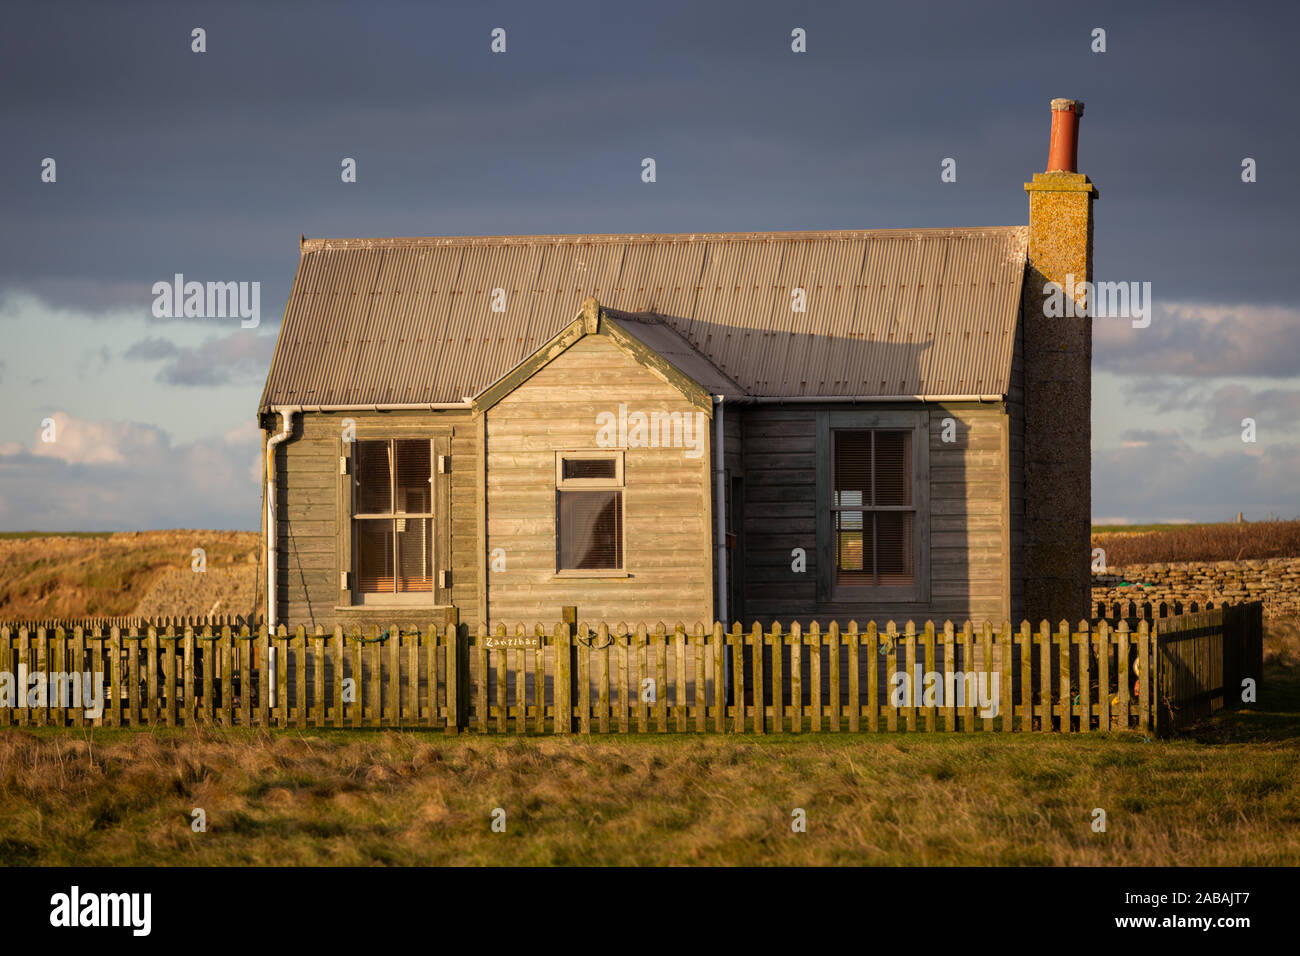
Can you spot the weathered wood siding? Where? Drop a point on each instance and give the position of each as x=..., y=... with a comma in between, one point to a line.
x=1016, y=477
x=308, y=481
x=733, y=439
x=667, y=533
x=968, y=492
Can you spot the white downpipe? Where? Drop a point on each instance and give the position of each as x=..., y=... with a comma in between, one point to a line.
x=720, y=479
x=273, y=537
x=720, y=516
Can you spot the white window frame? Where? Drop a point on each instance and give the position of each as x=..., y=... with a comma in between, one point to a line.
x=394, y=598
x=617, y=483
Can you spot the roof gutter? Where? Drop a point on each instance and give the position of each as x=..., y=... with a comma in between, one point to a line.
x=855, y=399
x=381, y=406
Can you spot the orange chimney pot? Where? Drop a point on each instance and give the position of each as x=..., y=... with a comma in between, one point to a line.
x=1063, y=156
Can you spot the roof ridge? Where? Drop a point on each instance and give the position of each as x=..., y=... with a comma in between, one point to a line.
x=397, y=242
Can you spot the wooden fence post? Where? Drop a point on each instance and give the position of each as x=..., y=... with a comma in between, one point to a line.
x=837, y=705
x=1045, y=677
x=855, y=696
x=1125, y=674
x=1103, y=677
x=376, y=677
x=719, y=650
x=1066, y=703
x=873, y=677
x=539, y=681
x=949, y=677
x=320, y=693
x=1006, y=642
x=738, y=691
x=1147, y=677
x=1085, y=677
x=78, y=666
x=563, y=680
x=778, y=678
x=931, y=667
x=503, y=679
x=679, y=678
x=569, y=617
x=188, y=665
x=357, y=707
x=461, y=634
x=815, y=675
x=115, y=676
x=264, y=675
x=299, y=673
x=452, y=640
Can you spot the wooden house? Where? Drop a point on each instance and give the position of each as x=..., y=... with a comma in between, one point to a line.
x=739, y=426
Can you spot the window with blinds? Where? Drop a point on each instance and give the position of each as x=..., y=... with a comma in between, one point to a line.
x=873, y=514
x=392, y=516
x=589, y=511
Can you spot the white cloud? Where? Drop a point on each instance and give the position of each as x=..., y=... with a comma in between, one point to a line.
x=1160, y=477
x=81, y=442
x=106, y=475
x=56, y=362
x=1204, y=340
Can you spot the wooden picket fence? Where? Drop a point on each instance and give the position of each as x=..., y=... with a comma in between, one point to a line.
x=598, y=679
x=126, y=621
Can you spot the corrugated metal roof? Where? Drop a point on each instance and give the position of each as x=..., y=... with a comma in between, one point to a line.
x=653, y=332
x=888, y=312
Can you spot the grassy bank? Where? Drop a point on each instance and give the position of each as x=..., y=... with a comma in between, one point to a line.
x=109, y=574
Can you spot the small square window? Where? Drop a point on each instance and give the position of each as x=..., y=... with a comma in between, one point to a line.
x=589, y=468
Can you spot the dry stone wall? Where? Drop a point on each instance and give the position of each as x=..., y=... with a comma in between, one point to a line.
x=1274, y=581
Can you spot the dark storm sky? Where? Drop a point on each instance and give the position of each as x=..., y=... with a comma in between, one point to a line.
x=212, y=164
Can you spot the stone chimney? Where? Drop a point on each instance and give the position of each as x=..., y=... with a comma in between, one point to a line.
x=1056, y=359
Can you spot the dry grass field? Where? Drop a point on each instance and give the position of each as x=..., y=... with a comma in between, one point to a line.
x=1228, y=793
x=137, y=572
x=1150, y=544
